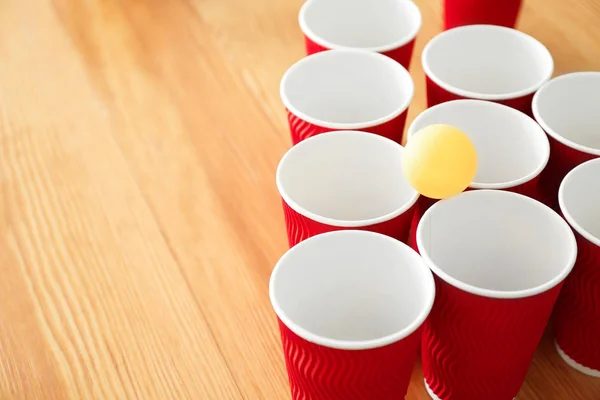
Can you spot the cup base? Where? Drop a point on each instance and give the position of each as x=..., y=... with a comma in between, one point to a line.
x=433, y=396
x=575, y=365
x=429, y=392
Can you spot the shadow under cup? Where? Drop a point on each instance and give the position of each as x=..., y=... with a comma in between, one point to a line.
x=345, y=180
x=499, y=260
x=350, y=306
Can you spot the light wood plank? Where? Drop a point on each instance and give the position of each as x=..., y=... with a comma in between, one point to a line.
x=114, y=318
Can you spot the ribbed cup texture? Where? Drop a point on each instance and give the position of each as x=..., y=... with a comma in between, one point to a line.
x=437, y=95
x=301, y=129
x=476, y=347
x=300, y=228
x=577, y=312
x=320, y=373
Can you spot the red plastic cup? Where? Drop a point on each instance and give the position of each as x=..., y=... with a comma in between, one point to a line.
x=512, y=149
x=474, y=12
x=347, y=90
x=345, y=180
x=577, y=312
x=567, y=108
x=499, y=260
x=388, y=27
x=350, y=306
x=486, y=62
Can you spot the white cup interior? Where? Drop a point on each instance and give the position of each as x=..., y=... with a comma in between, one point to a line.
x=345, y=178
x=511, y=147
x=496, y=244
x=487, y=62
x=579, y=199
x=375, y=25
x=568, y=108
x=347, y=89
x=352, y=290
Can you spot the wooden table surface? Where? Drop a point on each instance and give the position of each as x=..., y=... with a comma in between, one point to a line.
x=139, y=218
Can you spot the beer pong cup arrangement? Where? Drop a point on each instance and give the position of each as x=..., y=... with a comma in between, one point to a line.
x=346, y=90
x=350, y=306
x=499, y=260
x=577, y=317
x=489, y=265
x=568, y=108
x=473, y=12
x=345, y=180
x=384, y=26
x=486, y=62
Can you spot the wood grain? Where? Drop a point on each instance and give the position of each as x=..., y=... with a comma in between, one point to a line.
x=139, y=219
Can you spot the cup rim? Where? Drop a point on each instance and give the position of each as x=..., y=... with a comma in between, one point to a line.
x=484, y=96
x=332, y=221
x=551, y=132
x=354, y=125
x=498, y=294
x=500, y=185
x=353, y=344
x=565, y=210
x=304, y=26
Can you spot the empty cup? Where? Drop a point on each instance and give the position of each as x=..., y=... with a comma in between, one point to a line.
x=577, y=313
x=568, y=108
x=486, y=62
x=384, y=26
x=350, y=306
x=346, y=90
x=345, y=180
x=499, y=260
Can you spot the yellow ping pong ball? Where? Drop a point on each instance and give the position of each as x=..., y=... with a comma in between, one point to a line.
x=439, y=161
